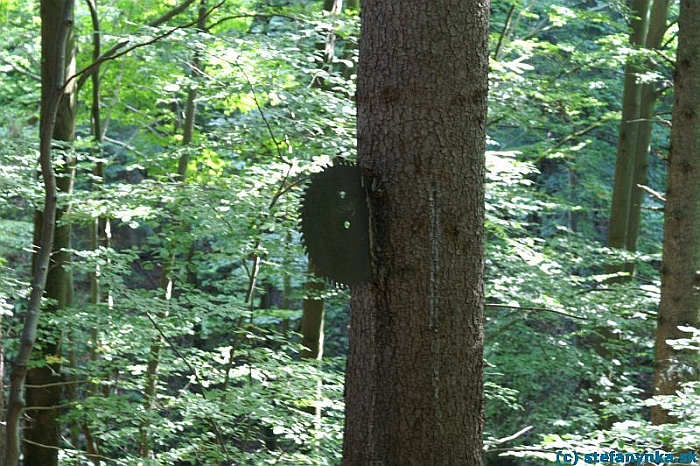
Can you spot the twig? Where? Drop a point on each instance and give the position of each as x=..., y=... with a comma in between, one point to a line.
x=259, y=16
x=92, y=67
x=148, y=126
x=177, y=351
x=75, y=450
x=525, y=448
x=577, y=134
x=512, y=437
x=278, y=146
x=23, y=71
x=117, y=87
x=56, y=384
x=509, y=18
x=161, y=20
x=50, y=408
x=652, y=193
x=536, y=309
x=670, y=61
x=212, y=422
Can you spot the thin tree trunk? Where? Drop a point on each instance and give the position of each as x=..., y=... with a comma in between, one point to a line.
x=57, y=29
x=348, y=46
x=648, y=95
x=414, y=377
x=312, y=319
x=624, y=166
x=313, y=307
x=167, y=283
x=327, y=46
x=43, y=428
x=680, y=266
x=152, y=366
x=3, y=430
x=632, y=153
x=99, y=228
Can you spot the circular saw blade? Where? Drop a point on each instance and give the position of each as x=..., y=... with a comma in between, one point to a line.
x=335, y=225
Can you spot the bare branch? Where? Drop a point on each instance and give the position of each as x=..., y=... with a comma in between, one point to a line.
x=509, y=18
x=56, y=384
x=652, y=193
x=511, y=437
x=536, y=309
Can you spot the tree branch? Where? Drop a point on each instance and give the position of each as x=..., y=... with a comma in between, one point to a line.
x=112, y=54
x=504, y=32
x=510, y=437
x=652, y=193
x=79, y=452
x=536, y=309
x=577, y=134
x=212, y=422
x=22, y=71
x=259, y=16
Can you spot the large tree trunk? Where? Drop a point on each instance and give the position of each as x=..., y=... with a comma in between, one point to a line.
x=680, y=267
x=414, y=377
x=42, y=401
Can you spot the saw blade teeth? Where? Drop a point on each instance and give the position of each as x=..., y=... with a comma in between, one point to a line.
x=334, y=222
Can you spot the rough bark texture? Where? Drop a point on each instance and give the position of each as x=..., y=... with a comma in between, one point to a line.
x=43, y=427
x=414, y=377
x=680, y=268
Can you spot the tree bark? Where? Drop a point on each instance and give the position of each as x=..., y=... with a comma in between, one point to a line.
x=624, y=165
x=680, y=267
x=312, y=318
x=57, y=103
x=647, y=98
x=43, y=427
x=414, y=377
x=3, y=430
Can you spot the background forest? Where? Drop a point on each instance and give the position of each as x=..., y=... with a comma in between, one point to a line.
x=185, y=327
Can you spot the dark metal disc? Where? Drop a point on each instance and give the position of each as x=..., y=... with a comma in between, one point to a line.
x=335, y=225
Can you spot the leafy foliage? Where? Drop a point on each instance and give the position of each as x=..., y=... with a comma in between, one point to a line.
x=231, y=386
